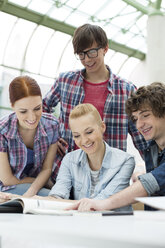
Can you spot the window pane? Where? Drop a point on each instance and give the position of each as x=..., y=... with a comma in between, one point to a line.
x=16, y=48
x=36, y=48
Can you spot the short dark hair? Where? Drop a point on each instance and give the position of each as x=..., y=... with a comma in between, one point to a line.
x=21, y=87
x=85, y=35
x=152, y=96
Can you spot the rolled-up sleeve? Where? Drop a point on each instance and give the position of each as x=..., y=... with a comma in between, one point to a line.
x=52, y=98
x=3, y=143
x=149, y=183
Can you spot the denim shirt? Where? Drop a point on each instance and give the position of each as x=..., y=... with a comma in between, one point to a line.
x=116, y=170
x=154, y=180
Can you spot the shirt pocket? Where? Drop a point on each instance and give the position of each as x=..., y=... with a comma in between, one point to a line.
x=77, y=189
x=77, y=186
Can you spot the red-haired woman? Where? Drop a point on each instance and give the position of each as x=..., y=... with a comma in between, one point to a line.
x=28, y=141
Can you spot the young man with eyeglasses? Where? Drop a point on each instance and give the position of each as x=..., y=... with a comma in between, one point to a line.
x=95, y=84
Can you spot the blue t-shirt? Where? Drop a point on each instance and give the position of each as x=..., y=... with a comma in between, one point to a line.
x=30, y=161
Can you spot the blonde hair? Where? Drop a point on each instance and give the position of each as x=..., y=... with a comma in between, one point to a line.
x=84, y=109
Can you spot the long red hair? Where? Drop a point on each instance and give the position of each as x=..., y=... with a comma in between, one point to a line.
x=23, y=86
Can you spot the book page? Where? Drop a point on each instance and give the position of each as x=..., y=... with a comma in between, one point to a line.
x=30, y=204
x=60, y=212
x=21, y=204
x=156, y=202
x=26, y=205
x=52, y=212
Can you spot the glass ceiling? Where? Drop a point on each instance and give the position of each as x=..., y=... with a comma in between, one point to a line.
x=36, y=35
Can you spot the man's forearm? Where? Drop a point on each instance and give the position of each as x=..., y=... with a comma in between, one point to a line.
x=126, y=196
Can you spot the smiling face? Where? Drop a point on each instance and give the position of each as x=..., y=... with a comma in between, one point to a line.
x=28, y=111
x=94, y=64
x=88, y=133
x=150, y=126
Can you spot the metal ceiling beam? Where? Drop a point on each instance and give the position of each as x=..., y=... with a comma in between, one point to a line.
x=158, y=4
x=126, y=50
x=149, y=10
x=40, y=19
x=137, y=6
x=35, y=17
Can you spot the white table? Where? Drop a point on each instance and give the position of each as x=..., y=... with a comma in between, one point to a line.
x=41, y=231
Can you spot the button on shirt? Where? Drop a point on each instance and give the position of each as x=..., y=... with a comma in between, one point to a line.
x=12, y=143
x=116, y=170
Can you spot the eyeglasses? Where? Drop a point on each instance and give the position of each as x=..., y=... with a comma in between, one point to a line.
x=91, y=53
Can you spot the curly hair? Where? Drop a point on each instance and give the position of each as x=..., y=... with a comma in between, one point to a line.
x=151, y=96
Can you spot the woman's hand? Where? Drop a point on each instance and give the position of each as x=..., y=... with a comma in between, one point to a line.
x=86, y=204
x=7, y=196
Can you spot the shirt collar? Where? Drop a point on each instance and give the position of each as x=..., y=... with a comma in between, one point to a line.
x=151, y=143
x=82, y=72
x=154, y=147
x=40, y=130
x=83, y=161
x=107, y=156
x=12, y=132
x=111, y=78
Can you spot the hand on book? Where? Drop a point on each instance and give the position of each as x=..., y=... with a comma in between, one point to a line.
x=87, y=204
x=7, y=196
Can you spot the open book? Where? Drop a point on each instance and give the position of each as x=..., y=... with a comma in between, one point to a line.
x=48, y=207
x=153, y=201
x=35, y=206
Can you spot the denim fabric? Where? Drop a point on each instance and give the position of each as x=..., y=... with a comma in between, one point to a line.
x=155, y=163
x=74, y=173
x=154, y=180
x=20, y=189
x=149, y=183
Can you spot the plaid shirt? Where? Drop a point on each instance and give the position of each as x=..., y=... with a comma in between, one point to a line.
x=69, y=91
x=11, y=142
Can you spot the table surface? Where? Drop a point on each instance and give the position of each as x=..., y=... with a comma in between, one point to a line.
x=139, y=231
